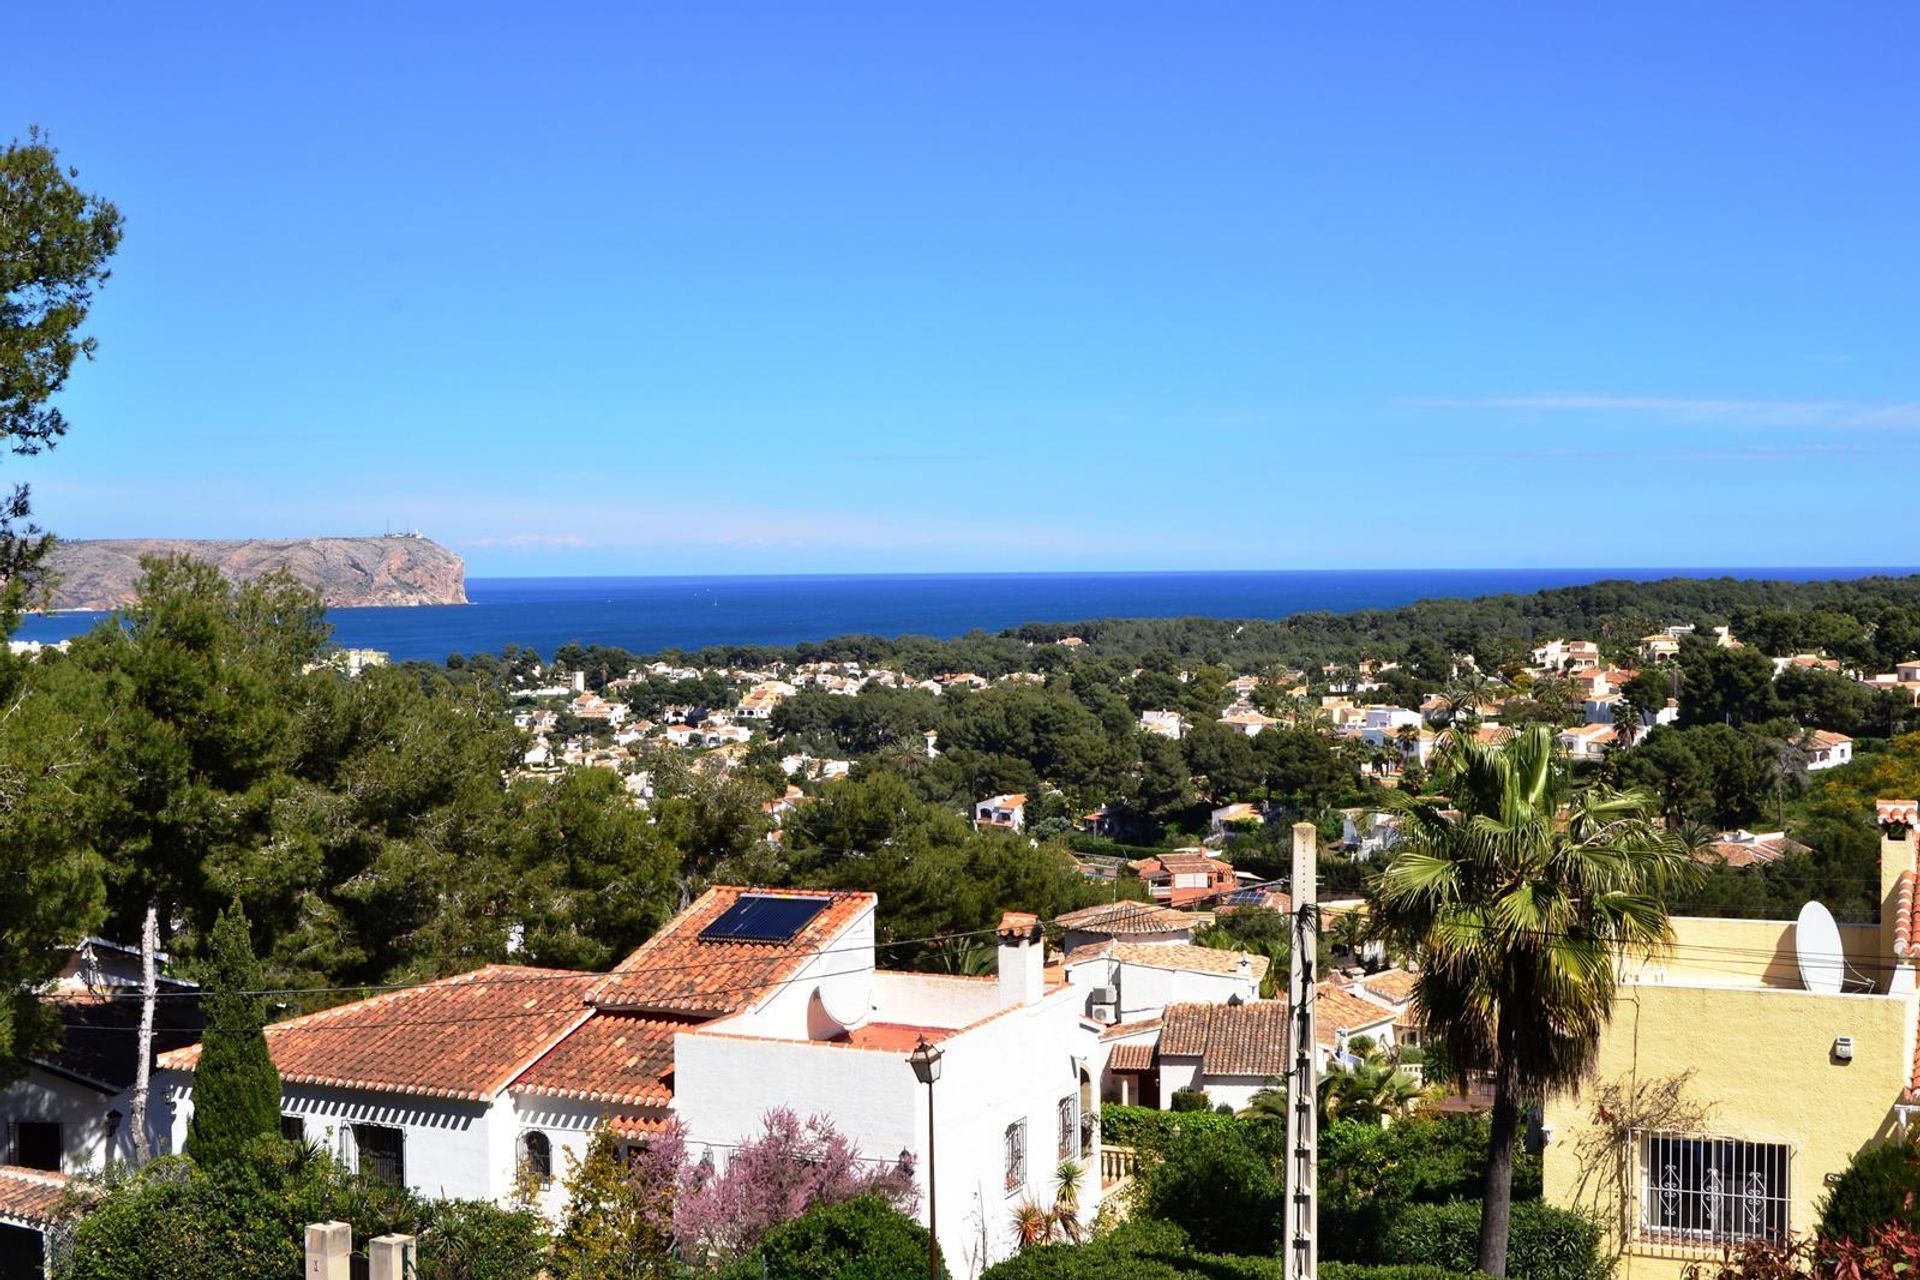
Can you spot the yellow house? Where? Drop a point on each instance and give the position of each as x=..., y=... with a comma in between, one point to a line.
x=1726, y=1093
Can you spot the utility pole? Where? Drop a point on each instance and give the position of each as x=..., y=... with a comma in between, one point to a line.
x=1303, y=1137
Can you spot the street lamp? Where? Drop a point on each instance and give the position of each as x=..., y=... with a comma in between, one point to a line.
x=925, y=1061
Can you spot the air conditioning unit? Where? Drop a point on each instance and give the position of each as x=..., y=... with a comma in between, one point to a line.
x=1106, y=1013
x=1104, y=995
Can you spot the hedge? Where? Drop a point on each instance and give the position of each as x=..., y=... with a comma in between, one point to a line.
x=1160, y=1251
x=1146, y=1128
x=1543, y=1242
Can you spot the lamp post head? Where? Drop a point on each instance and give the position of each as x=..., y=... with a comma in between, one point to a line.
x=925, y=1061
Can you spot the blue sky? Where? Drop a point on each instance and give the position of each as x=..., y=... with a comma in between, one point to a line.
x=830, y=287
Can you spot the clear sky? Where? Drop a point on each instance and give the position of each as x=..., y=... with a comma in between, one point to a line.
x=809, y=287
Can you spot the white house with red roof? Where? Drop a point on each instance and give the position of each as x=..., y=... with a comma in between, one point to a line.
x=750, y=999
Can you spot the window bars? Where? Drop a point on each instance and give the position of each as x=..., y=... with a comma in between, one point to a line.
x=1699, y=1190
x=1016, y=1155
x=1069, y=1146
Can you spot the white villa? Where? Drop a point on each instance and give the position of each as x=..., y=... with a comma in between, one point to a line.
x=1009, y=812
x=748, y=1000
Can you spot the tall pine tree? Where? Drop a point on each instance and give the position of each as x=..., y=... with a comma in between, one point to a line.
x=236, y=1091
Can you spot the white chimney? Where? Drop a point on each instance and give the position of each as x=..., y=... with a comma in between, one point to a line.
x=1022, y=959
x=1245, y=967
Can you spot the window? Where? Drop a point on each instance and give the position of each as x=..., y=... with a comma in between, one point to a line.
x=293, y=1128
x=1016, y=1155
x=1069, y=1127
x=382, y=1152
x=36, y=1145
x=1707, y=1190
x=536, y=1156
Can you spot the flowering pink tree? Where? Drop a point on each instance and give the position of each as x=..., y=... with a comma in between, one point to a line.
x=790, y=1167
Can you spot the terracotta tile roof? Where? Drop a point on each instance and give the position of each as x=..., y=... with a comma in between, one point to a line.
x=1121, y=1030
x=1121, y=918
x=1180, y=957
x=890, y=1037
x=1229, y=1039
x=637, y=1126
x=621, y=1059
x=1136, y=1056
x=1335, y=1011
x=1817, y=739
x=676, y=972
x=1391, y=984
x=1906, y=940
x=30, y=1196
x=462, y=1037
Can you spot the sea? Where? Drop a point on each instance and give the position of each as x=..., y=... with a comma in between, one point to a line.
x=649, y=614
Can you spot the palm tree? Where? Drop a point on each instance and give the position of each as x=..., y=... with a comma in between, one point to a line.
x=1351, y=931
x=1372, y=1091
x=1519, y=895
x=1269, y=1105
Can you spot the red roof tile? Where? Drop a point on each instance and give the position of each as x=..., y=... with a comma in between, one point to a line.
x=30, y=1196
x=676, y=972
x=622, y=1059
x=462, y=1037
x=1229, y=1039
x=1137, y=1056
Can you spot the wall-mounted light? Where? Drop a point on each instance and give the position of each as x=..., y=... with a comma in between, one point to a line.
x=1843, y=1049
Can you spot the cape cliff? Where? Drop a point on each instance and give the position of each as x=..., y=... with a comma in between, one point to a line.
x=348, y=573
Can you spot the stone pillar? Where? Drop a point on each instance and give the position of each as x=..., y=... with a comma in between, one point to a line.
x=392, y=1258
x=329, y=1251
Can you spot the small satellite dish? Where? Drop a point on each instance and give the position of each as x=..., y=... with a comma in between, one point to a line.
x=1823, y=966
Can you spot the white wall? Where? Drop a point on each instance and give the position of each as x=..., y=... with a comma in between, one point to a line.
x=1146, y=991
x=81, y=1112
x=453, y=1150
x=1014, y=1066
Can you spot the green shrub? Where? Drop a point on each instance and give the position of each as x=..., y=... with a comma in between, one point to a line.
x=1219, y=1186
x=1190, y=1100
x=478, y=1240
x=864, y=1238
x=1880, y=1185
x=242, y=1219
x=1387, y=1271
x=1137, y=1250
x=1543, y=1242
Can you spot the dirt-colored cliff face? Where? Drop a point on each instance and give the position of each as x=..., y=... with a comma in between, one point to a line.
x=347, y=572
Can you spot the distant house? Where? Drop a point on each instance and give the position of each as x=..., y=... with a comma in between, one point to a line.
x=1659, y=647
x=1125, y=922
x=1228, y=1052
x=1006, y=812
x=1567, y=655
x=1232, y=816
x=1167, y=724
x=1743, y=848
x=1368, y=832
x=1825, y=749
x=1244, y=719
x=1184, y=877
x=1128, y=981
x=1587, y=741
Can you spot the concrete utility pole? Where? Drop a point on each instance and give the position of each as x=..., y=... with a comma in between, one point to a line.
x=1303, y=1134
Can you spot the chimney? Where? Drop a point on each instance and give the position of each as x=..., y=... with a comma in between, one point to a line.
x=1244, y=967
x=1898, y=818
x=1022, y=958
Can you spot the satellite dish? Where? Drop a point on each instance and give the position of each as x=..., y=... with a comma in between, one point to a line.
x=1823, y=966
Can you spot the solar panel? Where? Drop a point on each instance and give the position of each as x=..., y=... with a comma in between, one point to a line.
x=761, y=917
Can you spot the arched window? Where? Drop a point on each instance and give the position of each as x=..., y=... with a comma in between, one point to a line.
x=536, y=1156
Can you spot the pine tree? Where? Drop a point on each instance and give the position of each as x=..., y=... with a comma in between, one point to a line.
x=236, y=1091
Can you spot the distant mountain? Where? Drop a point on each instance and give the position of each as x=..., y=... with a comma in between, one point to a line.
x=347, y=572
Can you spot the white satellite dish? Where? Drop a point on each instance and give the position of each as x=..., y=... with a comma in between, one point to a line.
x=1816, y=938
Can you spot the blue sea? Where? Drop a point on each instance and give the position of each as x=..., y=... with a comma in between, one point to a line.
x=645, y=615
